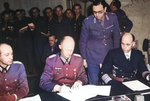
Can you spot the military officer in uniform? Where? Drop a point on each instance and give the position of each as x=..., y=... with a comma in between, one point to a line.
x=122, y=64
x=125, y=23
x=63, y=70
x=100, y=33
x=77, y=24
x=13, y=81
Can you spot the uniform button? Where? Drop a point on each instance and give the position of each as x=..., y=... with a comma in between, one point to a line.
x=15, y=80
x=5, y=79
x=131, y=76
x=122, y=76
x=57, y=73
x=103, y=30
x=104, y=36
x=75, y=24
x=105, y=44
x=75, y=73
x=6, y=86
x=65, y=78
x=66, y=68
x=120, y=70
x=66, y=74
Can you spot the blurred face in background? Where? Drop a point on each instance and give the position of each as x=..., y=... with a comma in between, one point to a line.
x=58, y=12
x=77, y=10
x=19, y=15
x=69, y=14
x=52, y=41
x=35, y=13
x=49, y=13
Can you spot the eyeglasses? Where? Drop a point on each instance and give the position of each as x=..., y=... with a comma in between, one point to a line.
x=99, y=12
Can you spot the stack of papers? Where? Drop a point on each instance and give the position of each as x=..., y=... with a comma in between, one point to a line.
x=136, y=85
x=86, y=92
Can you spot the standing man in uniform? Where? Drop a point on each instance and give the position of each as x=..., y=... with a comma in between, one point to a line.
x=13, y=81
x=100, y=33
x=125, y=23
x=77, y=24
x=64, y=69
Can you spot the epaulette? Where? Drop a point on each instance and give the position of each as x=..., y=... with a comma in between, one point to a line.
x=51, y=56
x=17, y=62
x=77, y=55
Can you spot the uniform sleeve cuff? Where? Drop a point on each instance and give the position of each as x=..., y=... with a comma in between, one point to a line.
x=15, y=97
x=106, y=78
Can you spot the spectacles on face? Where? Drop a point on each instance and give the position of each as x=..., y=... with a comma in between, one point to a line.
x=99, y=12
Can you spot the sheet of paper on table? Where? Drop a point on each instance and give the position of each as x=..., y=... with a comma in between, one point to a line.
x=33, y=98
x=86, y=92
x=136, y=85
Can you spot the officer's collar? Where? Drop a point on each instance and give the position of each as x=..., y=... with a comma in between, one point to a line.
x=6, y=68
x=64, y=59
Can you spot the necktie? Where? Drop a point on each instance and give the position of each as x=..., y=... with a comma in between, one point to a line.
x=127, y=56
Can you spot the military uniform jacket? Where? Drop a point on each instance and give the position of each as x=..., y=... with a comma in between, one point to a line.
x=98, y=37
x=125, y=23
x=117, y=64
x=14, y=81
x=56, y=72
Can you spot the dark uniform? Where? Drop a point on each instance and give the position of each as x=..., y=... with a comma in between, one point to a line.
x=116, y=66
x=59, y=71
x=24, y=45
x=77, y=24
x=125, y=23
x=97, y=38
x=62, y=28
x=49, y=50
x=39, y=40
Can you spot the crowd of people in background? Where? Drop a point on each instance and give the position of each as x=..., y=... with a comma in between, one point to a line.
x=52, y=41
x=33, y=44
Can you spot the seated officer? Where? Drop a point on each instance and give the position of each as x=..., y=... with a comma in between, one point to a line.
x=51, y=48
x=63, y=70
x=122, y=64
x=13, y=81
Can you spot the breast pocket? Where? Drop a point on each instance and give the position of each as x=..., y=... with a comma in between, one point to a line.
x=109, y=29
x=58, y=71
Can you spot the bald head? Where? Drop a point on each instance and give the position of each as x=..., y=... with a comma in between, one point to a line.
x=127, y=42
x=67, y=46
x=6, y=55
x=4, y=47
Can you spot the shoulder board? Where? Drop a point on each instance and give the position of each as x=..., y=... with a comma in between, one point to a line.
x=51, y=56
x=17, y=62
x=77, y=55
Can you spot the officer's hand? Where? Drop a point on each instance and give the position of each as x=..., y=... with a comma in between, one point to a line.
x=65, y=89
x=148, y=77
x=84, y=63
x=8, y=97
x=77, y=84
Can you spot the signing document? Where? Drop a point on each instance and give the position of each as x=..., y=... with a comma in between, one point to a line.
x=136, y=85
x=86, y=92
